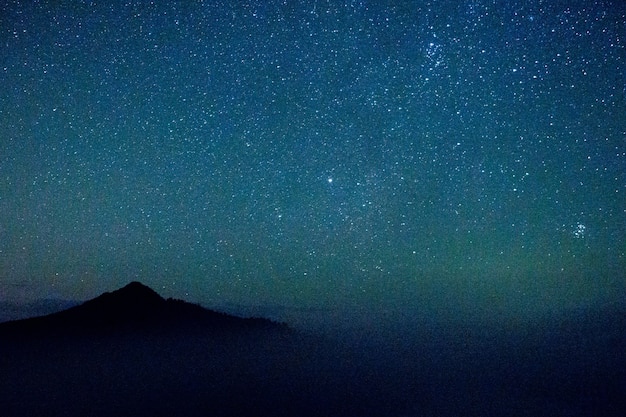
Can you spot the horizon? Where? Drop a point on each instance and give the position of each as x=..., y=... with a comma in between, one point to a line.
x=352, y=322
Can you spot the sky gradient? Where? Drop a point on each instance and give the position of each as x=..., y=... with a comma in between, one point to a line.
x=459, y=156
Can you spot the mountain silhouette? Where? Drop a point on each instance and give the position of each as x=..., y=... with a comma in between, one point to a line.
x=130, y=352
x=134, y=307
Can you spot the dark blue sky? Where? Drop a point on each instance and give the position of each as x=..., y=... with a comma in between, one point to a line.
x=450, y=155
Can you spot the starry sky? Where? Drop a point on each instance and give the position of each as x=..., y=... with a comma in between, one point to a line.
x=464, y=156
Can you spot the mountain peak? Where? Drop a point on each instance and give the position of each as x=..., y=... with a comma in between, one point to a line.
x=137, y=286
x=134, y=292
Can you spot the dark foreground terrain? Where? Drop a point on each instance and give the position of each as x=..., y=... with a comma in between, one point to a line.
x=130, y=352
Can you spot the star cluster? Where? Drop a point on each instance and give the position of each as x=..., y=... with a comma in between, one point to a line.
x=315, y=153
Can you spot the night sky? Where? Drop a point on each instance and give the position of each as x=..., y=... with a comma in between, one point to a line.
x=425, y=156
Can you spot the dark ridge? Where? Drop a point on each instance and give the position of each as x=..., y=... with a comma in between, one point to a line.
x=134, y=307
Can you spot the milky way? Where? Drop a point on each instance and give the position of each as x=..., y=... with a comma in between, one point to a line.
x=467, y=155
